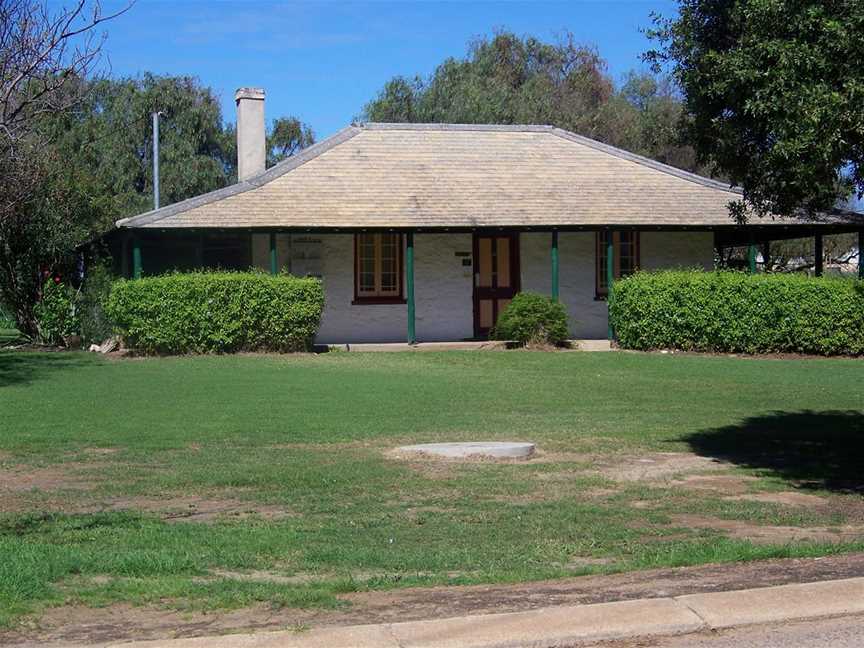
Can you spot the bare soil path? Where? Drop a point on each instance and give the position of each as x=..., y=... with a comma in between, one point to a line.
x=118, y=622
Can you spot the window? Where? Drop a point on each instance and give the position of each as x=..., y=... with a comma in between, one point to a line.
x=378, y=268
x=625, y=259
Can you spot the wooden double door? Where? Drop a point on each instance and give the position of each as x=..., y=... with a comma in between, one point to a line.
x=496, y=277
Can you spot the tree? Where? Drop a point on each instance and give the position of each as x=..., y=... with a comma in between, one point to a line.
x=43, y=56
x=775, y=94
x=287, y=136
x=111, y=136
x=98, y=168
x=513, y=80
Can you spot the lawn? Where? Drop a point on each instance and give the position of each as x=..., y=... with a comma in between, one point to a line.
x=220, y=482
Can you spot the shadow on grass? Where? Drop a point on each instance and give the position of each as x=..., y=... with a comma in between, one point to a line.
x=813, y=449
x=22, y=367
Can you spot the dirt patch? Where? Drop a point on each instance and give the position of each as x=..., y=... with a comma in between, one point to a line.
x=659, y=466
x=727, y=484
x=786, y=498
x=763, y=534
x=71, y=475
x=98, y=452
x=119, y=622
x=199, y=508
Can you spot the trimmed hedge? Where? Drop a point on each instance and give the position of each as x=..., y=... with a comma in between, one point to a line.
x=738, y=312
x=203, y=312
x=532, y=319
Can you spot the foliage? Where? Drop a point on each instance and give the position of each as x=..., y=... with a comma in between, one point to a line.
x=513, y=80
x=57, y=216
x=776, y=93
x=203, y=312
x=532, y=319
x=44, y=54
x=56, y=313
x=95, y=325
x=97, y=167
x=287, y=136
x=738, y=312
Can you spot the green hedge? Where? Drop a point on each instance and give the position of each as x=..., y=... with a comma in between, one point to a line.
x=203, y=312
x=738, y=312
x=532, y=319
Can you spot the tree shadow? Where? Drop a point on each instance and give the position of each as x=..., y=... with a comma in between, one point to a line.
x=23, y=367
x=817, y=450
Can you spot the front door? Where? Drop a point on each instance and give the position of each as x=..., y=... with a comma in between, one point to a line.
x=496, y=277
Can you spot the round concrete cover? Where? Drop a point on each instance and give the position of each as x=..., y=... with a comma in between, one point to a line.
x=504, y=450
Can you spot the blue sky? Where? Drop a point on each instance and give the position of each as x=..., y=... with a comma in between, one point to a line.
x=322, y=60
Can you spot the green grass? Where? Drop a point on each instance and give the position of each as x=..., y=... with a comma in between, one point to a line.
x=300, y=441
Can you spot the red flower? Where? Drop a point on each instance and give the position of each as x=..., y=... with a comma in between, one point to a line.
x=56, y=279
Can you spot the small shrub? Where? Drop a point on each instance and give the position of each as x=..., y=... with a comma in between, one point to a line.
x=95, y=325
x=203, y=312
x=56, y=312
x=532, y=319
x=737, y=312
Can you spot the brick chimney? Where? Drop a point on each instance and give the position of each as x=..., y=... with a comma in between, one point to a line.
x=251, y=146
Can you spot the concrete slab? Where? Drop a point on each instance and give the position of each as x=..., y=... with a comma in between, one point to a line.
x=551, y=626
x=497, y=449
x=767, y=604
x=591, y=345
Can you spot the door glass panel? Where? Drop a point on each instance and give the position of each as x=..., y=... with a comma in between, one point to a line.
x=502, y=304
x=485, y=262
x=486, y=318
x=503, y=247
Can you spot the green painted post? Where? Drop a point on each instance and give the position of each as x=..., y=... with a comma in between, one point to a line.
x=861, y=255
x=819, y=254
x=555, y=265
x=137, y=268
x=274, y=263
x=409, y=285
x=610, y=278
x=751, y=258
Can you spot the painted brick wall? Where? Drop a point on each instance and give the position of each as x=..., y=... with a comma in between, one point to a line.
x=443, y=286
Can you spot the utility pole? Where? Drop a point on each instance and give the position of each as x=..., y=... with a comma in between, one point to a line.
x=156, y=160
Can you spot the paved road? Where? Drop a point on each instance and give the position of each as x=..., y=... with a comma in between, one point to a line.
x=846, y=632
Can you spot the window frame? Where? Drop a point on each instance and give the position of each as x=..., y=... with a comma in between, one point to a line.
x=602, y=293
x=400, y=272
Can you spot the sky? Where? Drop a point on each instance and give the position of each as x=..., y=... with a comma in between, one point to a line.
x=323, y=60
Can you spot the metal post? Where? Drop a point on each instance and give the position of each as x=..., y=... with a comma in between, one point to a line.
x=861, y=254
x=274, y=262
x=555, y=265
x=137, y=268
x=610, y=277
x=819, y=254
x=409, y=285
x=156, y=160
x=751, y=258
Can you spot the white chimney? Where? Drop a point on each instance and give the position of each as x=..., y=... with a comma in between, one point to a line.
x=251, y=146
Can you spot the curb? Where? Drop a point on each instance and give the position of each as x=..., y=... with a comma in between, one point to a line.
x=557, y=626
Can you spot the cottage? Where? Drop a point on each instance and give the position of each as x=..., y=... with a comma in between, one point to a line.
x=426, y=231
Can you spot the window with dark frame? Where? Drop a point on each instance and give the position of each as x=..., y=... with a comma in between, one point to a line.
x=625, y=258
x=378, y=268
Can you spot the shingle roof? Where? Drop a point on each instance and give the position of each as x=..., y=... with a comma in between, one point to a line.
x=454, y=175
